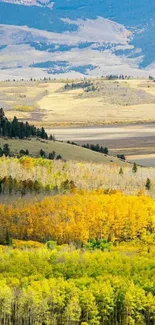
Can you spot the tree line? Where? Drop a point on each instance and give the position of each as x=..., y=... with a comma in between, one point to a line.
x=96, y=148
x=120, y=77
x=78, y=85
x=93, y=147
x=21, y=130
x=12, y=186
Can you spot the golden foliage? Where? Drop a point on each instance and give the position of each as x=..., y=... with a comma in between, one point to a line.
x=80, y=217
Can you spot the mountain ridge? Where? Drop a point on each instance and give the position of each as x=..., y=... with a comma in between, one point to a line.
x=69, y=39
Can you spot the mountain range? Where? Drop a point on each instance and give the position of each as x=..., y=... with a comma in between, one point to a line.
x=68, y=38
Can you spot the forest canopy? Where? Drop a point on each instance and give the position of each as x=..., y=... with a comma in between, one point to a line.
x=64, y=286
x=79, y=217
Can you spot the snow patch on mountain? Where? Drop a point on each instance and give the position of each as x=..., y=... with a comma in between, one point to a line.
x=41, y=3
x=76, y=38
x=19, y=40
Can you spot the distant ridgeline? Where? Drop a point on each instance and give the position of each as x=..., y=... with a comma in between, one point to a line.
x=18, y=129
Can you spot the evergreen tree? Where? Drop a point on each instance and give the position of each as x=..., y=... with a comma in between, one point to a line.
x=15, y=127
x=10, y=185
x=22, y=152
x=134, y=168
x=8, y=240
x=1, y=152
x=43, y=134
x=1, y=182
x=1, y=114
x=51, y=137
x=59, y=157
x=6, y=150
x=121, y=156
x=52, y=155
x=93, y=147
x=121, y=171
x=28, y=130
x=106, y=151
x=42, y=153
x=148, y=184
x=18, y=129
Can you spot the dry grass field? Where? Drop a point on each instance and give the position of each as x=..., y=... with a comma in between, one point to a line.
x=48, y=103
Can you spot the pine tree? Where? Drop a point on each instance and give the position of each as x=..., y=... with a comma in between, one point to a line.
x=42, y=153
x=18, y=129
x=6, y=150
x=22, y=152
x=106, y=151
x=52, y=155
x=121, y=171
x=43, y=134
x=134, y=168
x=59, y=157
x=148, y=185
x=1, y=152
x=8, y=240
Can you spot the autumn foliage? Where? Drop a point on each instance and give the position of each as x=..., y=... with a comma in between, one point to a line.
x=64, y=286
x=52, y=175
x=85, y=256
x=79, y=218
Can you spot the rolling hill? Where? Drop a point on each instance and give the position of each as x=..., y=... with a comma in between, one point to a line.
x=67, y=151
x=49, y=103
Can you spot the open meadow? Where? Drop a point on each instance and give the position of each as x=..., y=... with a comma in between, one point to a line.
x=73, y=102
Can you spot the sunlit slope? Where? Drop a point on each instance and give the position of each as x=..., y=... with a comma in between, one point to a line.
x=49, y=104
x=67, y=151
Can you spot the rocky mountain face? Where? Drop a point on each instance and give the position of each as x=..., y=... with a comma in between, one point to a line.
x=42, y=38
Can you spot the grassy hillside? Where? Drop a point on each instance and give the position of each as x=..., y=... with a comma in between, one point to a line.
x=49, y=103
x=67, y=151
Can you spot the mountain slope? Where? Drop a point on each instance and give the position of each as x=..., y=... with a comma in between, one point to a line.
x=76, y=38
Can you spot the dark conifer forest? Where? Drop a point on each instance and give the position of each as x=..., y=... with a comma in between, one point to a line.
x=21, y=130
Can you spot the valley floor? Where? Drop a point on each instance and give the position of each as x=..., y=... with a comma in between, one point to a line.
x=118, y=114
x=136, y=141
